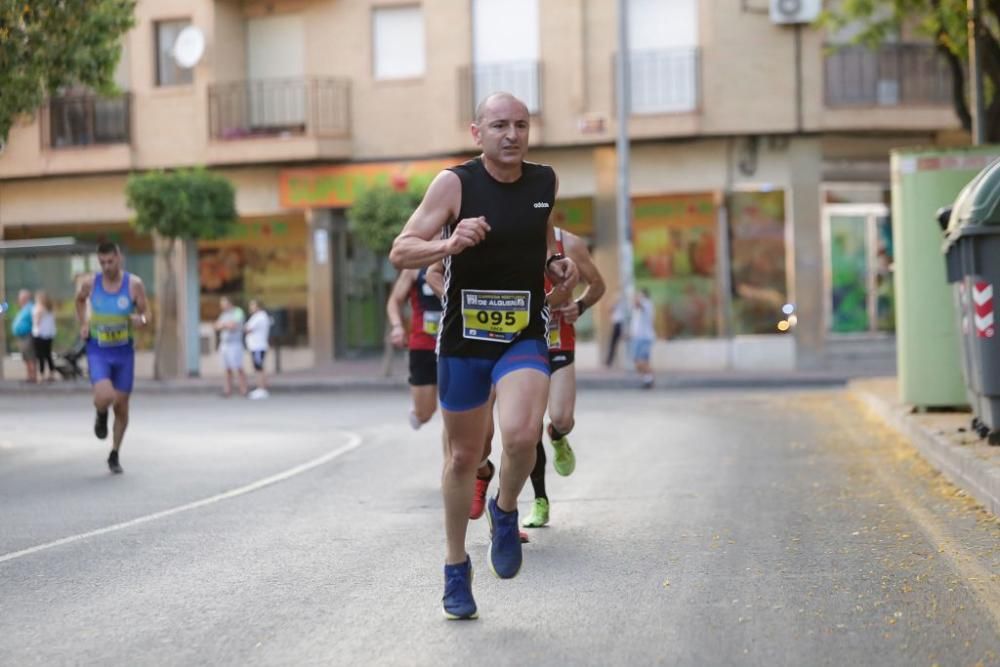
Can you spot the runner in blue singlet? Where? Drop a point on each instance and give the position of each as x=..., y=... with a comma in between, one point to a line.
x=117, y=303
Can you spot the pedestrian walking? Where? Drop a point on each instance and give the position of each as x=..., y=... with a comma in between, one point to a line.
x=642, y=336
x=21, y=330
x=43, y=333
x=258, y=332
x=109, y=306
x=230, y=327
x=619, y=312
x=488, y=219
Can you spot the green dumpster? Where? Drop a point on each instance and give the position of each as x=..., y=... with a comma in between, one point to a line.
x=927, y=338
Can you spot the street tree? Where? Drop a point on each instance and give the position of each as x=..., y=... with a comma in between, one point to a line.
x=47, y=45
x=187, y=204
x=375, y=219
x=946, y=23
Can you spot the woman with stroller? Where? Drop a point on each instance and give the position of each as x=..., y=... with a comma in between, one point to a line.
x=43, y=332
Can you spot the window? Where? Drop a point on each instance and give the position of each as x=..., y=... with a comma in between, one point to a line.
x=168, y=72
x=398, y=42
x=663, y=39
x=757, y=252
x=505, y=50
x=662, y=24
x=276, y=68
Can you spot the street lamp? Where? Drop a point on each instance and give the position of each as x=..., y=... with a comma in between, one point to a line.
x=623, y=201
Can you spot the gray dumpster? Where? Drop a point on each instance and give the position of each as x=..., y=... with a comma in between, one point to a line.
x=972, y=252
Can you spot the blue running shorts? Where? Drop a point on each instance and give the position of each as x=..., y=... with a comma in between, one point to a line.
x=111, y=363
x=464, y=383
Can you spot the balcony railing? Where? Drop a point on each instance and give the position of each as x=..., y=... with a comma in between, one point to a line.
x=86, y=120
x=279, y=107
x=664, y=80
x=521, y=79
x=891, y=75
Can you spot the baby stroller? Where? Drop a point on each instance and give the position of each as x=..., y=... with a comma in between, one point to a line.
x=68, y=363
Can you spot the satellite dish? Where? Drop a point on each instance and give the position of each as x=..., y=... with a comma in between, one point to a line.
x=189, y=47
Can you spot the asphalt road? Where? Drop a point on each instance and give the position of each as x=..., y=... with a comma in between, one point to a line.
x=700, y=528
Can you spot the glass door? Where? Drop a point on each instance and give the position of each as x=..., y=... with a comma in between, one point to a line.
x=858, y=242
x=359, y=296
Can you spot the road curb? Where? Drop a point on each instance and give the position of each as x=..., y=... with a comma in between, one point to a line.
x=665, y=382
x=958, y=464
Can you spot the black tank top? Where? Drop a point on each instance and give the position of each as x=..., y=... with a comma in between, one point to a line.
x=495, y=291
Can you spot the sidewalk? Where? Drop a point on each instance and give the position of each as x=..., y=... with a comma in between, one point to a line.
x=366, y=375
x=943, y=438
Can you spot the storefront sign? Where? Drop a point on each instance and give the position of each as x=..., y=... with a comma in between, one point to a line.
x=913, y=163
x=338, y=186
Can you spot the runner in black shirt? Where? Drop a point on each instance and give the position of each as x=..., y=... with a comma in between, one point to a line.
x=488, y=219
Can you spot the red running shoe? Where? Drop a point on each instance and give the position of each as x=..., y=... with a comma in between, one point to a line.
x=479, y=497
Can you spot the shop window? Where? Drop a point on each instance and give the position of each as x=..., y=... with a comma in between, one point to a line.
x=168, y=72
x=757, y=247
x=674, y=241
x=859, y=255
x=59, y=275
x=265, y=260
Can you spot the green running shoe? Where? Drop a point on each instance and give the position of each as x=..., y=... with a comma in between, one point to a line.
x=539, y=514
x=565, y=460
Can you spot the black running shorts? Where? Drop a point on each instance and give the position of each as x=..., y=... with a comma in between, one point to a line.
x=423, y=368
x=561, y=359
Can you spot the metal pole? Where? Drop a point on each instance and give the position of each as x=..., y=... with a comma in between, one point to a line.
x=623, y=202
x=976, y=75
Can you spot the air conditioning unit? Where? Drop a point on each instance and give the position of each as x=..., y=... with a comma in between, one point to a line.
x=795, y=11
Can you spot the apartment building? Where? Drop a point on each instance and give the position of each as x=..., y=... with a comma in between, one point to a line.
x=759, y=154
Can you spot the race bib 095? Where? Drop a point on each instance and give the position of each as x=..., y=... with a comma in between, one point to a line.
x=497, y=316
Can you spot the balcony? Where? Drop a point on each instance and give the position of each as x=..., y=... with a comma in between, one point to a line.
x=318, y=108
x=279, y=120
x=664, y=81
x=892, y=75
x=70, y=121
x=521, y=79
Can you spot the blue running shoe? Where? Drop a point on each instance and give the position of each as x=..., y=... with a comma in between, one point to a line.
x=505, y=541
x=457, y=601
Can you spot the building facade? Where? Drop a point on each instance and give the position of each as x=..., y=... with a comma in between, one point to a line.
x=759, y=162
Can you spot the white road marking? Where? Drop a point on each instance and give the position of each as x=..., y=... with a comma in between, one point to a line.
x=354, y=441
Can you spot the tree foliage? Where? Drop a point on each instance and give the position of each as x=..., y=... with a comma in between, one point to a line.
x=187, y=204
x=945, y=22
x=379, y=213
x=183, y=204
x=46, y=45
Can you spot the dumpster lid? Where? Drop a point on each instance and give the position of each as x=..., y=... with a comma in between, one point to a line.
x=977, y=207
